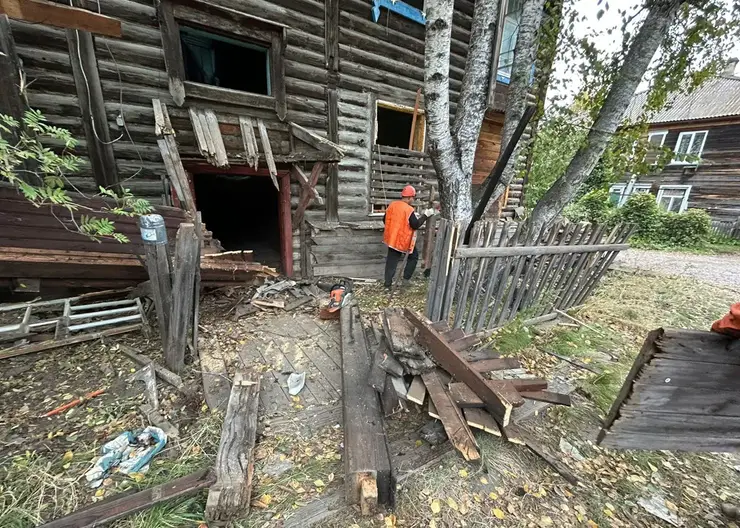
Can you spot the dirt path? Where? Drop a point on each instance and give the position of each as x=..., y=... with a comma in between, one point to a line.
x=719, y=270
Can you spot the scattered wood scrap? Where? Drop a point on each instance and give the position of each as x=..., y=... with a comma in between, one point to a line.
x=120, y=506
x=369, y=478
x=229, y=497
x=401, y=338
x=681, y=394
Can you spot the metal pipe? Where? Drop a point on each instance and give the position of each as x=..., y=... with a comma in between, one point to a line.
x=115, y=311
x=124, y=302
x=95, y=324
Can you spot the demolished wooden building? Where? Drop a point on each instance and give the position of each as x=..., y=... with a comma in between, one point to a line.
x=296, y=121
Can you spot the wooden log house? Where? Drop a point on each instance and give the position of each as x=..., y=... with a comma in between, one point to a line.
x=296, y=121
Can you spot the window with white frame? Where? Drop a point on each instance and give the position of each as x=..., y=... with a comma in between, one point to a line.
x=508, y=40
x=657, y=138
x=689, y=145
x=619, y=193
x=674, y=198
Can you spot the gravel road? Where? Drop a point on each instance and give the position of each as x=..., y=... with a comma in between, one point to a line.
x=719, y=270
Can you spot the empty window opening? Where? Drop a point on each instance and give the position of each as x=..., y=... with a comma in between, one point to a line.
x=221, y=61
x=394, y=127
x=242, y=213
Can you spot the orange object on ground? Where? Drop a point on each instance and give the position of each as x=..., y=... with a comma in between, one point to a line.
x=398, y=233
x=73, y=403
x=336, y=297
x=730, y=323
x=408, y=192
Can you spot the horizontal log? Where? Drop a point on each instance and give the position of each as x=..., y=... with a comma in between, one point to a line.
x=536, y=250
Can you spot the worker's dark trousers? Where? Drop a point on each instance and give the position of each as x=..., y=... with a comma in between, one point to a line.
x=391, y=263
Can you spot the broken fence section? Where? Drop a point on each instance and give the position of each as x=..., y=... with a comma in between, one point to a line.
x=502, y=273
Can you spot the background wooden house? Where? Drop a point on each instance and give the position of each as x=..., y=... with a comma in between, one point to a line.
x=702, y=128
x=265, y=99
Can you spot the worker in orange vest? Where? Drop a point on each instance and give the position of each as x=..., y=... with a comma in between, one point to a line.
x=400, y=223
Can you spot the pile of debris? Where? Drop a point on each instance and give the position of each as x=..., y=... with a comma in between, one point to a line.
x=410, y=358
x=285, y=295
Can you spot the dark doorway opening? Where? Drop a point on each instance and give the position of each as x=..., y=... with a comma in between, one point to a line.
x=394, y=127
x=242, y=213
x=221, y=61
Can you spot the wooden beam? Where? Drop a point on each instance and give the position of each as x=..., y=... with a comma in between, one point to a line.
x=332, y=173
x=229, y=498
x=413, y=119
x=369, y=477
x=183, y=286
x=171, y=156
x=496, y=404
x=60, y=15
x=464, y=397
x=250, y=141
x=487, y=365
x=316, y=141
x=307, y=195
x=518, y=251
x=546, y=396
x=122, y=505
x=451, y=417
x=267, y=149
x=92, y=106
x=277, y=71
x=331, y=34
x=172, y=49
x=11, y=73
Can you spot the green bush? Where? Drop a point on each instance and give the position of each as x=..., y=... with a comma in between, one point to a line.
x=691, y=228
x=641, y=211
x=594, y=207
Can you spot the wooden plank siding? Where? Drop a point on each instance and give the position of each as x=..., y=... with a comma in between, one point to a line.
x=715, y=184
x=381, y=60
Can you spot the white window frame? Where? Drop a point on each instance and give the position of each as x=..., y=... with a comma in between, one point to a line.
x=692, y=133
x=662, y=133
x=622, y=187
x=684, y=200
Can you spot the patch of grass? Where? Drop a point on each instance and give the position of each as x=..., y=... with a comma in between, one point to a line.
x=512, y=338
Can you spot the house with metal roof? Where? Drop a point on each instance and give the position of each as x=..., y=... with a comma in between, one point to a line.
x=702, y=129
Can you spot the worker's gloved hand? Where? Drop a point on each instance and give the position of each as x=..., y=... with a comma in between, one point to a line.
x=428, y=212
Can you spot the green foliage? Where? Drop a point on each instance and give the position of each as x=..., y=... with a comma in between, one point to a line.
x=594, y=207
x=40, y=173
x=660, y=229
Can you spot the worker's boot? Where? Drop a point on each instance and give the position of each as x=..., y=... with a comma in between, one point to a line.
x=731, y=511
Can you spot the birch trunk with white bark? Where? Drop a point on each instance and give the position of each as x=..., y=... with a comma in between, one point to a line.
x=652, y=32
x=452, y=149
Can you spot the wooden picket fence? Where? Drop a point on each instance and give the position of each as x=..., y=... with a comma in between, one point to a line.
x=502, y=273
x=727, y=228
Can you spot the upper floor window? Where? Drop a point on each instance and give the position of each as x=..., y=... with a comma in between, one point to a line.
x=657, y=138
x=512, y=18
x=689, y=145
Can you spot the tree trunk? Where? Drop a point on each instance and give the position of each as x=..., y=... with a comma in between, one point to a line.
x=641, y=51
x=525, y=52
x=453, y=151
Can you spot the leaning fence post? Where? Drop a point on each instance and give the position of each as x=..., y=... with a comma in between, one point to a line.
x=154, y=235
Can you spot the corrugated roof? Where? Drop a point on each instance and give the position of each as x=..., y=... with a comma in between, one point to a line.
x=718, y=97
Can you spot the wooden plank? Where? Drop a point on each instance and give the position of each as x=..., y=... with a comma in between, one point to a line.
x=11, y=70
x=196, y=286
x=487, y=365
x=488, y=232
x=439, y=271
x=307, y=195
x=413, y=119
x=277, y=71
x=316, y=141
x=172, y=50
x=60, y=15
x=303, y=180
x=452, y=275
x=267, y=149
x=400, y=334
x=461, y=304
x=450, y=360
x=464, y=397
x=165, y=375
x=490, y=281
x=546, y=396
x=451, y=335
x=90, y=97
x=454, y=424
x=402, y=391
x=497, y=307
x=332, y=173
x=531, y=251
x=480, y=419
x=249, y=141
x=541, y=266
x=173, y=163
x=183, y=287
x=158, y=269
x=466, y=342
x=229, y=497
x=122, y=505
x=417, y=392
x=366, y=456
x=218, y=143
x=377, y=376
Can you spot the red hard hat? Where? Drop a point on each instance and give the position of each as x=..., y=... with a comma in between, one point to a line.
x=408, y=191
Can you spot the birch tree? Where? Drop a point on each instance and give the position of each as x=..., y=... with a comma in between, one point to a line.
x=700, y=35
x=452, y=148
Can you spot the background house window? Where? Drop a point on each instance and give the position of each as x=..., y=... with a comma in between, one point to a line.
x=689, y=144
x=215, y=60
x=508, y=40
x=674, y=198
x=657, y=138
x=619, y=193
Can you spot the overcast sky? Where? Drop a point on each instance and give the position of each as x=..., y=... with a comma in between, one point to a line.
x=597, y=31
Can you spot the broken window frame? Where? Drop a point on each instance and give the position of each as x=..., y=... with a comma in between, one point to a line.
x=231, y=24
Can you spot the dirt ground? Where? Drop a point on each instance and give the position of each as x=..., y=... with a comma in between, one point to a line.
x=43, y=460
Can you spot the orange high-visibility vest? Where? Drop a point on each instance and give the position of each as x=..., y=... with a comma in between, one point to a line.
x=398, y=233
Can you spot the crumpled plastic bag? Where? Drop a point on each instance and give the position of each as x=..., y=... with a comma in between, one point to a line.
x=128, y=453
